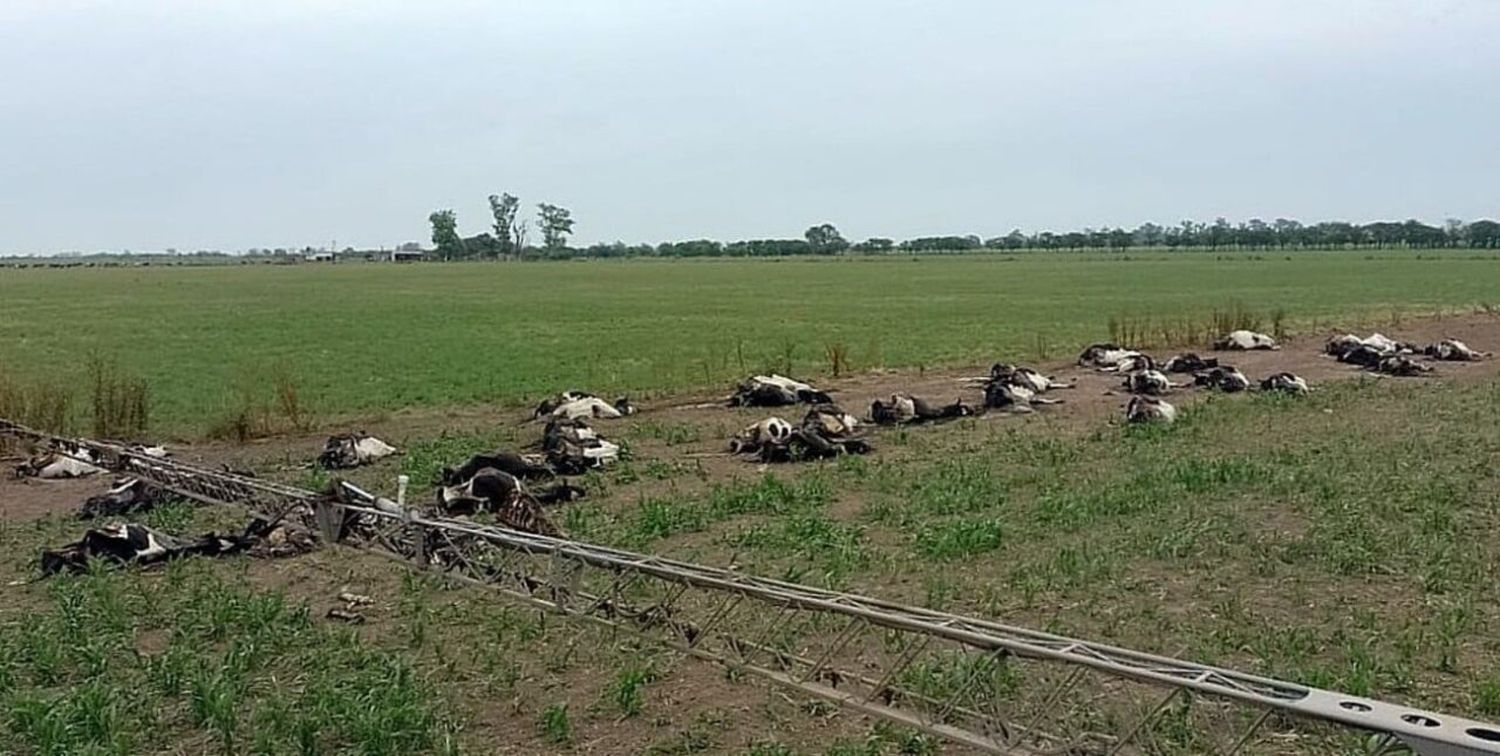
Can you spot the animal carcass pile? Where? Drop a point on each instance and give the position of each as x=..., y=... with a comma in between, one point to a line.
x=825, y=431
x=515, y=488
x=905, y=409
x=776, y=391
x=136, y=544
x=350, y=450
x=573, y=405
x=1018, y=389
x=1148, y=383
x=1381, y=354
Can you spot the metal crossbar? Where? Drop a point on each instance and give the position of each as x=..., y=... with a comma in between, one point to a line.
x=989, y=686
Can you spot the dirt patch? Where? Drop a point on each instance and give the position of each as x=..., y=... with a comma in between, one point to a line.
x=29, y=498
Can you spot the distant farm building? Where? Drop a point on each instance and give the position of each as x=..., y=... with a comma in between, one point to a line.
x=408, y=255
x=321, y=257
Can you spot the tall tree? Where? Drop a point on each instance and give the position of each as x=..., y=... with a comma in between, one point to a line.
x=555, y=223
x=509, y=232
x=1453, y=228
x=825, y=239
x=445, y=234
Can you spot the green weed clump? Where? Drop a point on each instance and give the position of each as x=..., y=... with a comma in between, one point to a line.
x=40, y=404
x=555, y=725
x=121, y=402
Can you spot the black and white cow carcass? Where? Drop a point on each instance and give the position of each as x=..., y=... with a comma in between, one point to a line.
x=576, y=404
x=1389, y=345
x=826, y=431
x=1009, y=396
x=1362, y=355
x=1244, y=341
x=1285, y=383
x=1401, y=366
x=1151, y=382
x=1339, y=344
x=127, y=496
x=772, y=431
x=350, y=450
x=1109, y=358
x=776, y=391
x=57, y=464
x=1226, y=378
x=524, y=466
x=1189, y=362
x=1149, y=409
x=573, y=447
x=1098, y=355
x=1025, y=377
x=1453, y=350
x=508, y=498
x=1019, y=388
x=1366, y=352
x=905, y=409
x=136, y=544
x=121, y=543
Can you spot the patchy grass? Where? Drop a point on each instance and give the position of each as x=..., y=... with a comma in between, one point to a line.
x=121, y=663
x=1309, y=539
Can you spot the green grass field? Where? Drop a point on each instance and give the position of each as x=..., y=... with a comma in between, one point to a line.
x=359, y=339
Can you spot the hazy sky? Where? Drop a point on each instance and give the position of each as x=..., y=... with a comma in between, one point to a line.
x=146, y=124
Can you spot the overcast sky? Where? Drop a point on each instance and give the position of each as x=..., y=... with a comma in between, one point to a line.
x=147, y=124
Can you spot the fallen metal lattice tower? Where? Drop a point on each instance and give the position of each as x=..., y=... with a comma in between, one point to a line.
x=982, y=684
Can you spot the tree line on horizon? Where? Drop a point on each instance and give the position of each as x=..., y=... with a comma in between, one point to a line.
x=507, y=238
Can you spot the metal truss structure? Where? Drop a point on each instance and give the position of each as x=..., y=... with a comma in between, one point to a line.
x=990, y=687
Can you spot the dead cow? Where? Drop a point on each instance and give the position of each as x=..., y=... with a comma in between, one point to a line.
x=136, y=544
x=1401, y=366
x=350, y=450
x=1286, y=383
x=1009, y=396
x=1363, y=355
x=772, y=431
x=128, y=496
x=826, y=431
x=573, y=447
x=1099, y=355
x=53, y=465
x=505, y=496
x=1243, y=341
x=908, y=409
x=576, y=404
x=1025, y=376
x=1340, y=344
x=1226, y=378
x=1453, y=350
x=131, y=543
x=1153, y=382
x=1149, y=409
x=776, y=391
x=1188, y=362
x=1389, y=345
x=1109, y=358
x=523, y=466
x=1367, y=351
